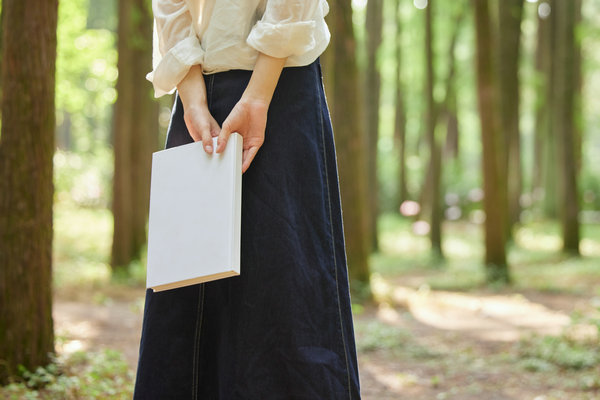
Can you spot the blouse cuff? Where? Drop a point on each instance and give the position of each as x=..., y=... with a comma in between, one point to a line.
x=175, y=64
x=283, y=40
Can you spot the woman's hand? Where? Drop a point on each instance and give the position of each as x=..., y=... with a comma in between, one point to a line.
x=249, y=116
x=249, y=119
x=200, y=123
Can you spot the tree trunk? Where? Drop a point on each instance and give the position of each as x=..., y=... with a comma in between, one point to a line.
x=26, y=188
x=63, y=132
x=374, y=21
x=452, y=133
x=542, y=61
x=550, y=143
x=135, y=132
x=1, y=36
x=494, y=182
x=122, y=247
x=350, y=139
x=435, y=233
x=578, y=79
x=510, y=13
x=400, y=112
x=564, y=122
x=450, y=111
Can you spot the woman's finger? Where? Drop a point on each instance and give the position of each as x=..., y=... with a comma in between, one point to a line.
x=201, y=129
x=226, y=130
x=223, y=138
x=215, y=129
x=191, y=127
x=248, y=156
x=207, y=140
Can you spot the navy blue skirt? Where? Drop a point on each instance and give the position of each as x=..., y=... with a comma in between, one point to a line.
x=283, y=329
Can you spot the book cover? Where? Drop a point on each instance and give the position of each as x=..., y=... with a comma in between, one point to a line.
x=195, y=215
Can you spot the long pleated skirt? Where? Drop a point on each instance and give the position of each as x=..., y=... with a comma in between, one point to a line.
x=283, y=329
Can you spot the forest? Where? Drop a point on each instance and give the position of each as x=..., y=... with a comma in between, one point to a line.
x=467, y=135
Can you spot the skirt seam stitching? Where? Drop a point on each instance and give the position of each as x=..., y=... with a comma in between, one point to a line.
x=199, y=314
x=333, y=249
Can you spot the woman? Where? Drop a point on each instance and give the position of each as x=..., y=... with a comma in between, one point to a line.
x=283, y=329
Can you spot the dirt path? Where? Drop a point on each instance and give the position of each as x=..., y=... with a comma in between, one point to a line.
x=417, y=344
x=465, y=345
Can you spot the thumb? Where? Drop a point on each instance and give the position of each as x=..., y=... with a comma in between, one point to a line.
x=226, y=131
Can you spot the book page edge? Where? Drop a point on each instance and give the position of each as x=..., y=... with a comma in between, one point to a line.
x=193, y=281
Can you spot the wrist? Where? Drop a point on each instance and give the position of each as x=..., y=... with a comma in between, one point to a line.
x=192, y=89
x=264, y=79
x=256, y=97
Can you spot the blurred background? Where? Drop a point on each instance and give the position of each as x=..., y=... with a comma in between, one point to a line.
x=468, y=143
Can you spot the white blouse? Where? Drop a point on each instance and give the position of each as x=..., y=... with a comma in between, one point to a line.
x=221, y=35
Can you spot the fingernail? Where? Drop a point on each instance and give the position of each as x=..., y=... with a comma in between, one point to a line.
x=209, y=149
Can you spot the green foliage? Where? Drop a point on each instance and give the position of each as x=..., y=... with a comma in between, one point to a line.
x=134, y=274
x=589, y=33
x=86, y=73
x=102, y=14
x=81, y=375
x=83, y=179
x=459, y=177
x=374, y=335
x=541, y=353
x=462, y=176
x=41, y=377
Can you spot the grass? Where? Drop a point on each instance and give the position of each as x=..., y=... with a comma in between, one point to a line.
x=82, y=240
x=374, y=335
x=558, y=352
x=81, y=251
x=535, y=259
x=102, y=375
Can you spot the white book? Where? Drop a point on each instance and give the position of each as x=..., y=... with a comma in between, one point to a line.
x=195, y=215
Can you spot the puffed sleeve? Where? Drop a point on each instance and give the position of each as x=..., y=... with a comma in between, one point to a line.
x=176, y=46
x=288, y=27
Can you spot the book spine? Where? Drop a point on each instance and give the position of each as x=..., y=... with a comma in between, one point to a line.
x=237, y=202
x=149, y=275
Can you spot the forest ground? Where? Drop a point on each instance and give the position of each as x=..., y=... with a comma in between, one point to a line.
x=413, y=343
x=431, y=331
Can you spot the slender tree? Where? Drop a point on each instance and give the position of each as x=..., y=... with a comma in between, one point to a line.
x=431, y=117
x=400, y=110
x=374, y=22
x=349, y=138
x=135, y=132
x=449, y=109
x=1, y=35
x=26, y=189
x=451, y=115
x=542, y=125
x=494, y=180
x=563, y=111
x=578, y=79
x=550, y=149
x=510, y=14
